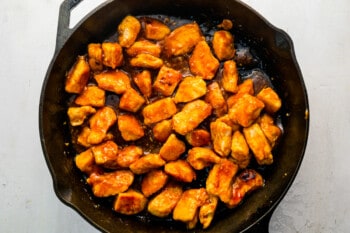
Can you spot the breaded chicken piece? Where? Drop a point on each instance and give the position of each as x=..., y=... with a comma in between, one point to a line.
x=110, y=184
x=128, y=31
x=130, y=128
x=159, y=110
x=201, y=157
x=216, y=99
x=207, y=211
x=247, y=181
x=167, y=80
x=155, y=29
x=271, y=100
x=180, y=170
x=112, y=54
x=95, y=55
x=162, y=130
x=202, y=62
x=143, y=81
x=221, y=136
x=271, y=130
x=144, y=46
x=113, y=80
x=240, y=150
x=91, y=96
x=226, y=119
x=130, y=202
x=198, y=137
x=153, y=181
x=223, y=45
x=85, y=161
x=145, y=60
x=259, y=144
x=78, y=76
x=77, y=115
x=172, y=149
x=163, y=204
x=147, y=163
x=131, y=100
x=190, y=88
x=129, y=155
x=230, y=76
x=106, y=154
x=192, y=114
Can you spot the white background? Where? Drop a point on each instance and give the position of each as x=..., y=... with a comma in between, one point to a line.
x=318, y=200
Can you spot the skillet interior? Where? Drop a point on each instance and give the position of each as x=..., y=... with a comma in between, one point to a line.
x=274, y=46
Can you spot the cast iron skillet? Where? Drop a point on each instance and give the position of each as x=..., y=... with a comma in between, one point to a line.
x=273, y=45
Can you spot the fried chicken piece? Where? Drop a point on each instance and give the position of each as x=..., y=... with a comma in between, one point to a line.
x=246, y=182
x=129, y=155
x=271, y=131
x=113, y=80
x=207, y=211
x=187, y=207
x=198, y=137
x=159, y=110
x=201, y=157
x=85, y=161
x=246, y=87
x=110, y=184
x=223, y=45
x=147, y=163
x=180, y=170
x=112, y=54
x=240, y=150
x=131, y=100
x=216, y=99
x=130, y=202
x=153, y=181
x=258, y=143
x=202, y=62
x=91, y=96
x=143, y=81
x=82, y=138
x=190, y=88
x=106, y=154
x=155, y=29
x=192, y=114
x=162, y=130
x=95, y=55
x=77, y=115
x=172, y=148
x=164, y=203
x=167, y=80
x=246, y=110
x=148, y=61
x=78, y=76
x=226, y=119
x=220, y=179
x=271, y=100
x=221, y=136
x=130, y=128
x=144, y=46
x=182, y=39
x=128, y=31
x=230, y=76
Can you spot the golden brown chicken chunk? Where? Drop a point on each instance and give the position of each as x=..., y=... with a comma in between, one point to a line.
x=85, y=161
x=180, y=170
x=91, y=96
x=220, y=179
x=155, y=29
x=189, y=89
x=129, y=155
x=198, y=137
x=106, y=154
x=240, y=150
x=182, y=40
x=130, y=202
x=216, y=99
x=131, y=100
x=78, y=76
x=95, y=55
x=246, y=110
x=128, y=31
x=230, y=76
x=258, y=144
x=221, y=136
x=192, y=114
x=113, y=80
x=77, y=115
x=207, y=211
x=159, y=110
x=201, y=157
x=271, y=100
x=147, y=163
x=164, y=203
x=247, y=181
x=153, y=181
x=272, y=132
x=202, y=62
x=167, y=80
x=223, y=45
x=172, y=148
x=143, y=81
x=110, y=184
x=130, y=128
x=144, y=46
x=82, y=138
x=148, y=61
x=162, y=130
x=112, y=54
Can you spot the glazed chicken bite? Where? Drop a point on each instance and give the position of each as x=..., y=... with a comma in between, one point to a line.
x=130, y=202
x=143, y=81
x=155, y=29
x=172, y=148
x=128, y=155
x=221, y=136
x=180, y=170
x=202, y=62
x=240, y=150
x=271, y=131
x=271, y=100
x=159, y=110
x=216, y=99
x=85, y=161
x=198, y=137
x=201, y=157
x=147, y=163
x=207, y=211
x=190, y=88
x=78, y=76
x=112, y=54
x=145, y=60
x=113, y=80
x=230, y=76
x=144, y=46
x=192, y=114
x=130, y=128
x=77, y=115
x=91, y=96
x=95, y=55
x=167, y=80
x=162, y=130
x=128, y=31
x=131, y=100
x=153, y=181
x=223, y=45
x=110, y=184
x=106, y=154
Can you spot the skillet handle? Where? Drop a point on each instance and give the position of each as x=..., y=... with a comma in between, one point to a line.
x=63, y=30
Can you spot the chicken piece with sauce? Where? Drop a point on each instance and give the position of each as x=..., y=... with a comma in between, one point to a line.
x=113, y=80
x=172, y=149
x=106, y=154
x=167, y=80
x=85, y=161
x=162, y=130
x=144, y=46
x=180, y=170
x=198, y=137
x=207, y=211
x=221, y=136
x=159, y=110
x=112, y=54
x=128, y=155
x=240, y=150
x=130, y=128
x=155, y=29
x=130, y=202
x=201, y=157
x=128, y=31
x=77, y=115
x=216, y=99
x=271, y=131
x=145, y=60
x=153, y=181
x=78, y=76
x=95, y=55
x=147, y=163
x=143, y=81
x=230, y=76
x=190, y=88
x=271, y=100
x=91, y=96
x=131, y=100
x=223, y=45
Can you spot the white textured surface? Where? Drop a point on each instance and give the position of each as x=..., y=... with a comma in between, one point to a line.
x=318, y=200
